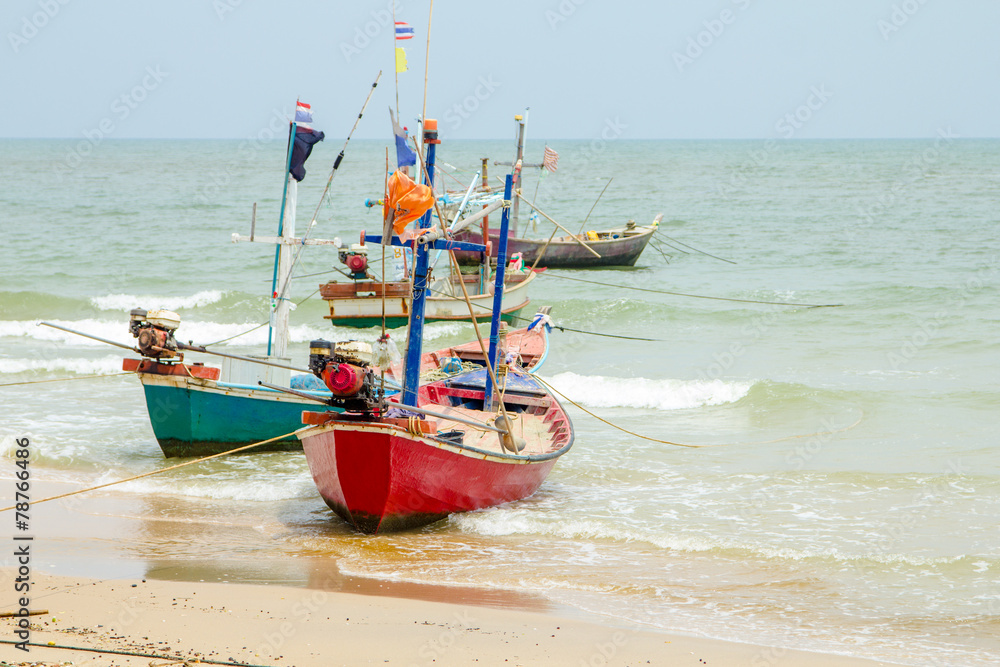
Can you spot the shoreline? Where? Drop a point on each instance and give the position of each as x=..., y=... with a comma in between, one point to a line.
x=280, y=625
x=302, y=611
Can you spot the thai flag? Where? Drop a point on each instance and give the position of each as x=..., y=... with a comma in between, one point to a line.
x=303, y=113
x=403, y=30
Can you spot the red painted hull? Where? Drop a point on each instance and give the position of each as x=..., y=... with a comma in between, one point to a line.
x=380, y=479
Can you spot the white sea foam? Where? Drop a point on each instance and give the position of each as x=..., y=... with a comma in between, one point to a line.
x=202, y=333
x=104, y=365
x=611, y=392
x=281, y=488
x=500, y=522
x=115, y=330
x=126, y=302
x=507, y=521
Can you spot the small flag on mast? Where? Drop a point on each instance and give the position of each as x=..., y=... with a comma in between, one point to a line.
x=403, y=30
x=303, y=113
x=551, y=159
x=400, y=59
x=302, y=142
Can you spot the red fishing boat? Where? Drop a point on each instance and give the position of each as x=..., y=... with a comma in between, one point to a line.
x=393, y=473
x=475, y=438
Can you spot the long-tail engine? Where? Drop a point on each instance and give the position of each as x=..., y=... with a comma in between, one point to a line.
x=154, y=330
x=345, y=369
x=355, y=258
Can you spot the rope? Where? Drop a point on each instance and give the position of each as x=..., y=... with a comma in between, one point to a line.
x=224, y=340
x=658, y=231
x=680, y=444
x=461, y=283
x=157, y=472
x=698, y=296
x=82, y=377
x=605, y=421
x=132, y=653
x=555, y=326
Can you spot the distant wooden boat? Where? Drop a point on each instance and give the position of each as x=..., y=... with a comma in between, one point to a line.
x=620, y=246
x=448, y=445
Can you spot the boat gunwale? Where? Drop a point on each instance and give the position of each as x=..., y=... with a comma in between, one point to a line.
x=643, y=231
x=375, y=426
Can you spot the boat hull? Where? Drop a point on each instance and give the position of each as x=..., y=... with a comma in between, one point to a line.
x=616, y=247
x=193, y=414
x=197, y=417
x=360, y=304
x=568, y=254
x=379, y=479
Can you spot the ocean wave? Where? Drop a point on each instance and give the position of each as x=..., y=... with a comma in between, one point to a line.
x=104, y=365
x=513, y=521
x=611, y=392
x=202, y=333
x=300, y=486
x=116, y=331
x=126, y=302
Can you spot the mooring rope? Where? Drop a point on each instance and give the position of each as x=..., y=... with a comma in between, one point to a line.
x=723, y=259
x=224, y=340
x=554, y=326
x=82, y=377
x=697, y=296
x=157, y=472
x=174, y=659
x=680, y=444
x=612, y=425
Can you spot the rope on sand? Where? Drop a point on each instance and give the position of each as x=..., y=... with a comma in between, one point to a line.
x=157, y=472
x=168, y=658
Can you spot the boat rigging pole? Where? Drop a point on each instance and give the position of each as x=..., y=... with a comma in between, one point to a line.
x=279, y=307
x=326, y=190
x=420, y=265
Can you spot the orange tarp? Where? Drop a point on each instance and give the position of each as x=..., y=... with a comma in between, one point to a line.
x=406, y=199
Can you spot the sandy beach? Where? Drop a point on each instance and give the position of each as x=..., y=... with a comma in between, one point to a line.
x=152, y=608
x=162, y=622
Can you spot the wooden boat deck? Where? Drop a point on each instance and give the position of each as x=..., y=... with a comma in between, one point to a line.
x=544, y=432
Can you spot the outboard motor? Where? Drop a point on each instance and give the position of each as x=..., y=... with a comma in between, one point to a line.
x=154, y=330
x=345, y=369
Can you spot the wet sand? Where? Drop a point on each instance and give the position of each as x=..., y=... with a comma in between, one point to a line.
x=114, y=573
x=161, y=621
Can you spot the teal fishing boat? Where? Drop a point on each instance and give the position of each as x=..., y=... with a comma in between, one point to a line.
x=199, y=410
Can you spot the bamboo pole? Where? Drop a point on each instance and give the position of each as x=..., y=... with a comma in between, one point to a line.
x=547, y=217
x=427, y=61
x=584, y=224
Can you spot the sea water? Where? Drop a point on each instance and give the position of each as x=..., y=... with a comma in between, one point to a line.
x=762, y=470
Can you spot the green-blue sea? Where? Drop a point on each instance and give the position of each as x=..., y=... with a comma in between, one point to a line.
x=838, y=487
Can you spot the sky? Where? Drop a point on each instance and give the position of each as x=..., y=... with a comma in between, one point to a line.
x=718, y=69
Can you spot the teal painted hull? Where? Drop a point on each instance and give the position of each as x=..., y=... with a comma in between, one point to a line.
x=193, y=422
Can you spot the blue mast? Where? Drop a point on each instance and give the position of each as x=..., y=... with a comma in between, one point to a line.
x=281, y=231
x=498, y=287
x=411, y=378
